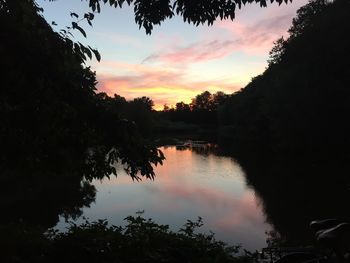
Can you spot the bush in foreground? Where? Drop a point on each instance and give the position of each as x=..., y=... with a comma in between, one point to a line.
x=141, y=240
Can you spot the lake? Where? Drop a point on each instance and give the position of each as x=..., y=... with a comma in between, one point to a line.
x=192, y=182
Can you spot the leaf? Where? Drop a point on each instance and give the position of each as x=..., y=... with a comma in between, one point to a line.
x=96, y=53
x=76, y=26
x=77, y=48
x=85, y=50
x=92, y=16
x=89, y=16
x=74, y=14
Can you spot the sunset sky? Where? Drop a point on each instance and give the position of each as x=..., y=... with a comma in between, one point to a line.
x=178, y=61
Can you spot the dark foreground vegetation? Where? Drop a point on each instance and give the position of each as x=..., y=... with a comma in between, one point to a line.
x=141, y=240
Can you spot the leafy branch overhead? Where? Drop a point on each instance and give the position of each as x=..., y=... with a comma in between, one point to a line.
x=152, y=12
x=79, y=48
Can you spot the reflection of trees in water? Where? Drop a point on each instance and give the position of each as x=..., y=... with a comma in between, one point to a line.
x=295, y=192
x=199, y=147
x=40, y=198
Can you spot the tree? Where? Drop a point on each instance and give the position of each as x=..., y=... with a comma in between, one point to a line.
x=166, y=108
x=144, y=102
x=301, y=101
x=219, y=98
x=50, y=112
x=139, y=111
x=181, y=106
x=202, y=101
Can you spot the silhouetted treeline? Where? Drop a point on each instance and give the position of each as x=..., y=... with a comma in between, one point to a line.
x=201, y=113
x=139, y=110
x=301, y=103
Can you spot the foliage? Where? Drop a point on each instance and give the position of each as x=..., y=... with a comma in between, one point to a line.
x=153, y=12
x=138, y=111
x=50, y=112
x=141, y=240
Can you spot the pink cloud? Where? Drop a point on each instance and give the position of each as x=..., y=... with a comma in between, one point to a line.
x=235, y=36
x=257, y=38
x=194, y=53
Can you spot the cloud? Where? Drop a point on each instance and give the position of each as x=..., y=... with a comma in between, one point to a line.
x=194, y=53
x=257, y=38
x=253, y=39
x=165, y=85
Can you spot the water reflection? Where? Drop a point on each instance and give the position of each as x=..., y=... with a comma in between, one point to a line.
x=296, y=191
x=40, y=198
x=192, y=182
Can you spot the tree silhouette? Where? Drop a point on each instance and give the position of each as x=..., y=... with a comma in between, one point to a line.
x=300, y=103
x=144, y=102
x=181, y=106
x=49, y=108
x=202, y=101
x=201, y=112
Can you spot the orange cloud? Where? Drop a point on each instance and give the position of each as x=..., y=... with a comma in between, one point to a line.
x=165, y=85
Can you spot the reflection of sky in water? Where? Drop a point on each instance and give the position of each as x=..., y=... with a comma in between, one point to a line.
x=186, y=186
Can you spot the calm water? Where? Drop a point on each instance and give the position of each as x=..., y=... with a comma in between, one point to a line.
x=188, y=185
